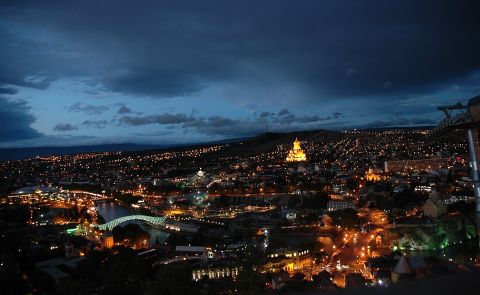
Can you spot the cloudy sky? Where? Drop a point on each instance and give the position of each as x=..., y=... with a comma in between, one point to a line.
x=161, y=72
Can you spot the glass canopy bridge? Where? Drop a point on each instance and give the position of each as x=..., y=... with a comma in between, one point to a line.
x=155, y=220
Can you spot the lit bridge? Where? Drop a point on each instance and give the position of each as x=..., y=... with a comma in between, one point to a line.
x=155, y=220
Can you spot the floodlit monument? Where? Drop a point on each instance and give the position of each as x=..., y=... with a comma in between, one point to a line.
x=372, y=176
x=199, y=178
x=296, y=154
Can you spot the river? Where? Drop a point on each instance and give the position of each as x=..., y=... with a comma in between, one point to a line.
x=112, y=210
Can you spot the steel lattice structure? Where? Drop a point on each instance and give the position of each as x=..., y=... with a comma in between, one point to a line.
x=467, y=117
x=155, y=220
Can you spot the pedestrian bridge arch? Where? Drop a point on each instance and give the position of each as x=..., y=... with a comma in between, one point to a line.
x=155, y=220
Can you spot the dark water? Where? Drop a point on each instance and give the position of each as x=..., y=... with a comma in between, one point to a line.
x=112, y=210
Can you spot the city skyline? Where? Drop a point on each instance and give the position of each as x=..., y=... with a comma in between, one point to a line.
x=239, y=147
x=377, y=208
x=75, y=73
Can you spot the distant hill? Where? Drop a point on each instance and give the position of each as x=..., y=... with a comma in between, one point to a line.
x=24, y=153
x=267, y=142
x=260, y=143
x=396, y=128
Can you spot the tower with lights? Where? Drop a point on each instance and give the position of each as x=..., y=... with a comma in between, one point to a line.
x=465, y=117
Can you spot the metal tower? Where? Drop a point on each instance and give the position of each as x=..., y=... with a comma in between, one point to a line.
x=466, y=117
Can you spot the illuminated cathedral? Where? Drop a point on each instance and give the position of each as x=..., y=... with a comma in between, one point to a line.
x=372, y=176
x=296, y=154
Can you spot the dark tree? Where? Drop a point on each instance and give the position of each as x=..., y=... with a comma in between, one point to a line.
x=175, y=239
x=346, y=217
x=171, y=279
x=250, y=282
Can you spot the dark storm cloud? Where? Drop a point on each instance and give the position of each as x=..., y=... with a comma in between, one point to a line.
x=16, y=121
x=219, y=125
x=290, y=118
x=124, y=110
x=64, y=127
x=7, y=90
x=99, y=124
x=34, y=63
x=218, y=121
x=165, y=118
x=332, y=48
x=337, y=115
x=264, y=115
x=87, y=108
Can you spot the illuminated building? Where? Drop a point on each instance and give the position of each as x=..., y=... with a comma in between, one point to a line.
x=32, y=194
x=434, y=207
x=215, y=272
x=289, y=261
x=183, y=227
x=339, y=205
x=423, y=188
x=296, y=154
x=201, y=252
x=199, y=178
x=371, y=176
x=108, y=239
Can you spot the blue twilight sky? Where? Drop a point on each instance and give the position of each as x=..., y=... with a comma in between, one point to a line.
x=161, y=72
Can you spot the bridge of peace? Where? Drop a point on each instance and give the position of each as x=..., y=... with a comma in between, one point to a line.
x=162, y=221
x=155, y=220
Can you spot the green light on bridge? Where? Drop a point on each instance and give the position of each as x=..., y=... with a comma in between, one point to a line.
x=72, y=231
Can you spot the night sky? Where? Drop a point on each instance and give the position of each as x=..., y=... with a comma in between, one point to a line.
x=162, y=72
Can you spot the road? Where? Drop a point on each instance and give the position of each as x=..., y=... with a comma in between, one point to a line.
x=355, y=247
